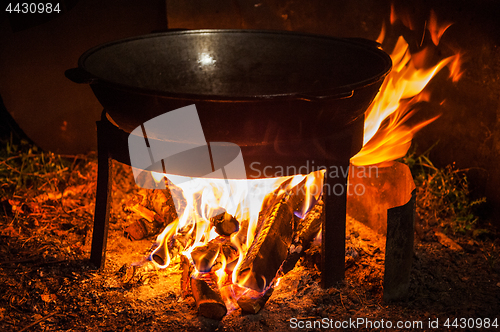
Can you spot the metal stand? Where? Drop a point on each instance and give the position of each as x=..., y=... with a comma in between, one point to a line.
x=113, y=144
x=334, y=230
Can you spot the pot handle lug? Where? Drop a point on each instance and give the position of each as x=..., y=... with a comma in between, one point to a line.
x=79, y=76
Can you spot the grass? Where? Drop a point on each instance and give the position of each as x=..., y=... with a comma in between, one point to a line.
x=25, y=168
x=443, y=196
x=38, y=187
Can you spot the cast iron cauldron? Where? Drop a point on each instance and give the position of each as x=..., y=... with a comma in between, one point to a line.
x=273, y=93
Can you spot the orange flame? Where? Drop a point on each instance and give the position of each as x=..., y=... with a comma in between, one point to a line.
x=386, y=137
x=404, y=17
x=436, y=30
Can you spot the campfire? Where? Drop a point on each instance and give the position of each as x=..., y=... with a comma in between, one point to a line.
x=235, y=258
x=234, y=238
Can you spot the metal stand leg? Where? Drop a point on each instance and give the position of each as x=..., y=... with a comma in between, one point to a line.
x=103, y=195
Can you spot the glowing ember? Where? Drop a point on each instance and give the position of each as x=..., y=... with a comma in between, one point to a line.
x=386, y=137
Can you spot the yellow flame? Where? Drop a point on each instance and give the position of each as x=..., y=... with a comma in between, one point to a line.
x=386, y=137
x=221, y=272
x=162, y=250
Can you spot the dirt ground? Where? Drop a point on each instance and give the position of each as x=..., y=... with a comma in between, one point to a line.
x=47, y=284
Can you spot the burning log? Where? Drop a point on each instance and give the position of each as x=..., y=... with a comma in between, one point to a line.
x=187, y=271
x=204, y=256
x=252, y=301
x=269, y=248
x=225, y=224
x=209, y=302
x=272, y=241
x=307, y=230
x=170, y=247
x=160, y=256
x=230, y=254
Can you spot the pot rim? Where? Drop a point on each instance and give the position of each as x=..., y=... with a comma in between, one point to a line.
x=341, y=92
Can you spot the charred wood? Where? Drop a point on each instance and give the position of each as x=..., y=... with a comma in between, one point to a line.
x=209, y=302
x=187, y=270
x=225, y=224
x=204, y=257
x=161, y=256
x=272, y=240
x=252, y=301
x=156, y=209
x=136, y=231
x=307, y=230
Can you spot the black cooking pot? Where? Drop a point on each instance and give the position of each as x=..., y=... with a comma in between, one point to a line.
x=273, y=92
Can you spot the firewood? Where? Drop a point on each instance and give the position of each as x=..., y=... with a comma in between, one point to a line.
x=143, y=212
x=151, y=222
x=187, y=270
x=225, y=224
x=252, y=301
x=153, y=205
x=158, y=201
x=270, y=246
x=231, y=256
x=204, y=256
x=160, y=255
x=141, y=229
x=136, y=231
x=307, y=230
x=228, y=253
x=208, y=299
